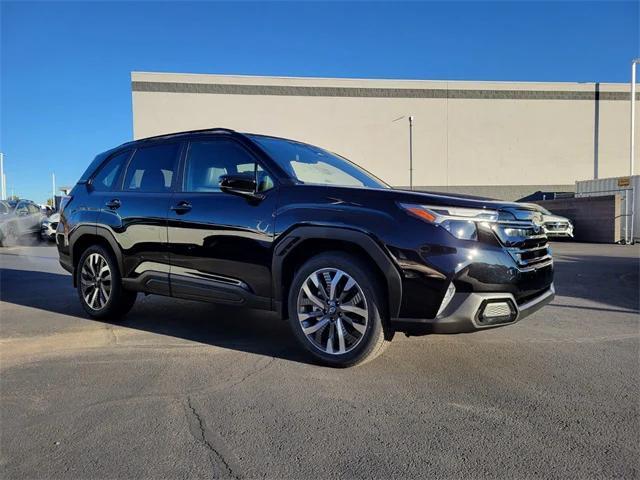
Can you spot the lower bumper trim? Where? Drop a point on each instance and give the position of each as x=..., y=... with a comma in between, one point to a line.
x=461, y=314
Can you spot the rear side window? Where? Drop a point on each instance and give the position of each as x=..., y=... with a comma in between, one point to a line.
x=107, y=176
x=152, y=168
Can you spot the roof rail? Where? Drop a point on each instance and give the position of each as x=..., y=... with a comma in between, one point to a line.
x=202, y=130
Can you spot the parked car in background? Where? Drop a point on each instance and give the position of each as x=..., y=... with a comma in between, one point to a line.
x=17, y=219
x=276, y=224
x=49, y=225
x=46, y=209
x=554, y=225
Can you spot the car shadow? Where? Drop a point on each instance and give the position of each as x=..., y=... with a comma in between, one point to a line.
x=610, y=281
x=234, y=328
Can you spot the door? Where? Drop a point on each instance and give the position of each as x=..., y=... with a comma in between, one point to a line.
x=135, y=216
x=23, y=218
x=35, y=217
x=220, y=242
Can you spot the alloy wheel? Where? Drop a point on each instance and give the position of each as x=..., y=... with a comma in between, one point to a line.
x=95, y=281
x=332, y=311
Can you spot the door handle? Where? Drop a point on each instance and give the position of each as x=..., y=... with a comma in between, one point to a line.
x=181, y=207
x=113, y=204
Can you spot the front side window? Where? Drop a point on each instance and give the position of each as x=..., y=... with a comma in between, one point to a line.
x=207, y=161
x=152, y=168
x=106, y=177
x=310, y=164
x=22, y=209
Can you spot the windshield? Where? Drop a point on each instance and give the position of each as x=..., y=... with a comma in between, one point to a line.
x=313, y=165
x=4, y=207
x=543, y=210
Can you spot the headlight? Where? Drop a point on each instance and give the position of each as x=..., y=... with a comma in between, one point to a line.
x=459, y=222
x=462, y=229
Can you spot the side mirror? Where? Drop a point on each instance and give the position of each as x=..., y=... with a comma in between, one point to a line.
x=243, y=184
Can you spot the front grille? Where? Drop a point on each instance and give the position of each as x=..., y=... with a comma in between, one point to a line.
x=526, y=244
x=556, y=226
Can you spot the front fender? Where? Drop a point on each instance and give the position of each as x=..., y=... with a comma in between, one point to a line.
x=296, y=235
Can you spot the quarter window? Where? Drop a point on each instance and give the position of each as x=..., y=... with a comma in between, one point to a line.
x=207, y=161
x=152, y=168
x=109, y=173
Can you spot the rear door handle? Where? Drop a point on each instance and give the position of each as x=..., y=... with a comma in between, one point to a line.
x=113, y=204
x=181, y=207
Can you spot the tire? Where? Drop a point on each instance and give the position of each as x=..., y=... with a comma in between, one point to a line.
x=118, y=301
x=343, y=325
x=9, y=236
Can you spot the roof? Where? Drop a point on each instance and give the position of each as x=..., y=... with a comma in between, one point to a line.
x=179, y=134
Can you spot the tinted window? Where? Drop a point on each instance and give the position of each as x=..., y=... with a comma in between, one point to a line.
x=208, y=160
x=109, y=173
x=22, y=208
x=152, y=168
x=310, y=164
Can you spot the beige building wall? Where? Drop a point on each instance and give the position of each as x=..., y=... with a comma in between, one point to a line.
x=500, y=139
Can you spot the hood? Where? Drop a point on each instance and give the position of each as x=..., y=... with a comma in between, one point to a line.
x=360, y=195
x=519, y=210
x=554, y=218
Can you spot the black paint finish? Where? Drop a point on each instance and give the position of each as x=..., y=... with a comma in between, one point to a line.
x=240, y=250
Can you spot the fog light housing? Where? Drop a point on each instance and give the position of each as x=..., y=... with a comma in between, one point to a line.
x=493, y=312
x=451, y=290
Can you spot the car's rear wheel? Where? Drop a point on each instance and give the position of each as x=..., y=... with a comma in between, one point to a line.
x=336, y=308
x=99, y=285
x=9, y=235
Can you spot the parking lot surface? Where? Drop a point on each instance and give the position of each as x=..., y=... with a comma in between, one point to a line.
x=190, y=390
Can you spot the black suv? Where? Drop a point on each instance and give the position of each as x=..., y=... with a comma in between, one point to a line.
x=275, y=224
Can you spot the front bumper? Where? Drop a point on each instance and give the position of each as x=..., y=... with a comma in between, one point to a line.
x=48, y=233
x=462, y=313
x=564, y=234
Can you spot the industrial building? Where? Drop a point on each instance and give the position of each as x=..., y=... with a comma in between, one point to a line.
x=504, y=140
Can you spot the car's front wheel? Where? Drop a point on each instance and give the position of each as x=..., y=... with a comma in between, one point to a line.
x=336, y=308
x=99, y=286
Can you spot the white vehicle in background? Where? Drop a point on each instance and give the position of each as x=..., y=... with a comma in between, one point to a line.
x=18, y=219
x=49, y=226
x=554, y=225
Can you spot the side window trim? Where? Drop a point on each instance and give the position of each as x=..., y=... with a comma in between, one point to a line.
x=123, y=174
x=181, y=181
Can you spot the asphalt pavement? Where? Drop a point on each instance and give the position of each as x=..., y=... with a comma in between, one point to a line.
x=190, y=390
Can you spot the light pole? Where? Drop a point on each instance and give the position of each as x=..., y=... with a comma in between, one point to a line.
x=53, y=191
x=410, y=118
x=411, y=152
x=3, y=186
x=633, y=113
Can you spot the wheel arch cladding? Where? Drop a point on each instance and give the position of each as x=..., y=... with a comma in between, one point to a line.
x=302, y=243
x=85, y=239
